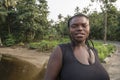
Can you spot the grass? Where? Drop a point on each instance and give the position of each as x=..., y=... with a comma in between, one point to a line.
x=43, y=45
x=47, y=45
x=104, y=50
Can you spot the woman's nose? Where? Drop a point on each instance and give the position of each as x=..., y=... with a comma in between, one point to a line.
x=80, y=27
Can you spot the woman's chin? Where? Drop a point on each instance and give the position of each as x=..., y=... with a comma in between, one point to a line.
x=80, y=40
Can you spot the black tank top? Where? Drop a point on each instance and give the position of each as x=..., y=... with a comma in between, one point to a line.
x=72, y=69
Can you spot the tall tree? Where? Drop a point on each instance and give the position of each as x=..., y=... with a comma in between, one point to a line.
x=7, y=9
x=33, y=18
x=10, y=8
x=112, y=22
x=104, y=7
x=77, y=10
x=60, y=17
x=25, y=20
x=96, y=23
x=42, y=19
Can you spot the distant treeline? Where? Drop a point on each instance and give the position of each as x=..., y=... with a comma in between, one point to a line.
x=26, y=21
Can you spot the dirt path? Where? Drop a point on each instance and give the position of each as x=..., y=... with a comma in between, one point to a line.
x=35, y=57
x=17, y=62
x=113, y=66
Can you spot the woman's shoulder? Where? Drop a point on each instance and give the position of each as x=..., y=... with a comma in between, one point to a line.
x=64, y=45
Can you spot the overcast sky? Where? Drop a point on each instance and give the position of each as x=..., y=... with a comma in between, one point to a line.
x=67, y=7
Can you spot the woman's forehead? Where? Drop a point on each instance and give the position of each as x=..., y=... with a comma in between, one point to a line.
x=79, y=20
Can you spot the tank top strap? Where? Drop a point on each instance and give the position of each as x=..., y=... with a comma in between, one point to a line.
x=65, y=48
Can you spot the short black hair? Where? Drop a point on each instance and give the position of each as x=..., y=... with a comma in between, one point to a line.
x=77, y=15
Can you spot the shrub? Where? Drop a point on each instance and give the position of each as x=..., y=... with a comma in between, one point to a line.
x=64, y=40
x=43, y=45
x=46, y=45
x=9, y=41
x=104, y=50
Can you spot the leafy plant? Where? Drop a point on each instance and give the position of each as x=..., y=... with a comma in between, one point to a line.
x=43, y=45
x=104, y=50
x=9, y=41
x=47, y=45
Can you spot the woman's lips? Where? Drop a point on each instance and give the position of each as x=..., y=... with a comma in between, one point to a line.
x=79, y=34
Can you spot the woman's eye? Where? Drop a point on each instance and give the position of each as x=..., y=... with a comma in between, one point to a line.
x=84, y=25
x=74, y=26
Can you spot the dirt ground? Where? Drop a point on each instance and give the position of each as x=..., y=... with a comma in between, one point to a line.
x=33, y=56
x=113, y=65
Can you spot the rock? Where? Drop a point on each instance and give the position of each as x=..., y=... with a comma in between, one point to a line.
x=14, y=67
x=106, y=60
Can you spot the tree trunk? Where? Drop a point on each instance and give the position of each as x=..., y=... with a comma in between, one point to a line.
x=1, y=42
x=105, y=32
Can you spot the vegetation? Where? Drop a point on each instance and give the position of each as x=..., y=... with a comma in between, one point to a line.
x=105, y=6
x=43, y=45
x=46, y=45
x=25, y=21
x=104, y=50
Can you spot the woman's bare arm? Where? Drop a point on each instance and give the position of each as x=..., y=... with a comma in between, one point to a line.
x=54, y=65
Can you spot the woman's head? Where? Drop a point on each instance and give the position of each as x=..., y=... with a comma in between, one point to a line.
x=79, y=28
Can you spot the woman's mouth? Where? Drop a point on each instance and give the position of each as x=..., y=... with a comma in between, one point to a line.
x=79, y=34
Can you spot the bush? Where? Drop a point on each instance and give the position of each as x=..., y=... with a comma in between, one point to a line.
x=64, y=40
x=46, y=45
x=104, y=50
x=9, y=41
x=43, y=45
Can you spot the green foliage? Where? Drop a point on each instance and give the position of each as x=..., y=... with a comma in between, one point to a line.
x=109, y=20
x=9, y=41
x=47, y=45
x=33, y=18
x=64, y=40
x=96, y=24
x=104, y=50
x=112, y=22
x=77, y=10
x=25, y=19
x=61, y=27
x=43, y=45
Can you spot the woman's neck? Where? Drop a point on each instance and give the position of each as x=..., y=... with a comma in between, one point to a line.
x=78, y=44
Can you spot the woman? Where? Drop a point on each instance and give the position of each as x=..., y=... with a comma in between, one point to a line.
x=76, y=60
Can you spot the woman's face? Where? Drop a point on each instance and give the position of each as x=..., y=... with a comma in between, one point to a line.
x=79, y=28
